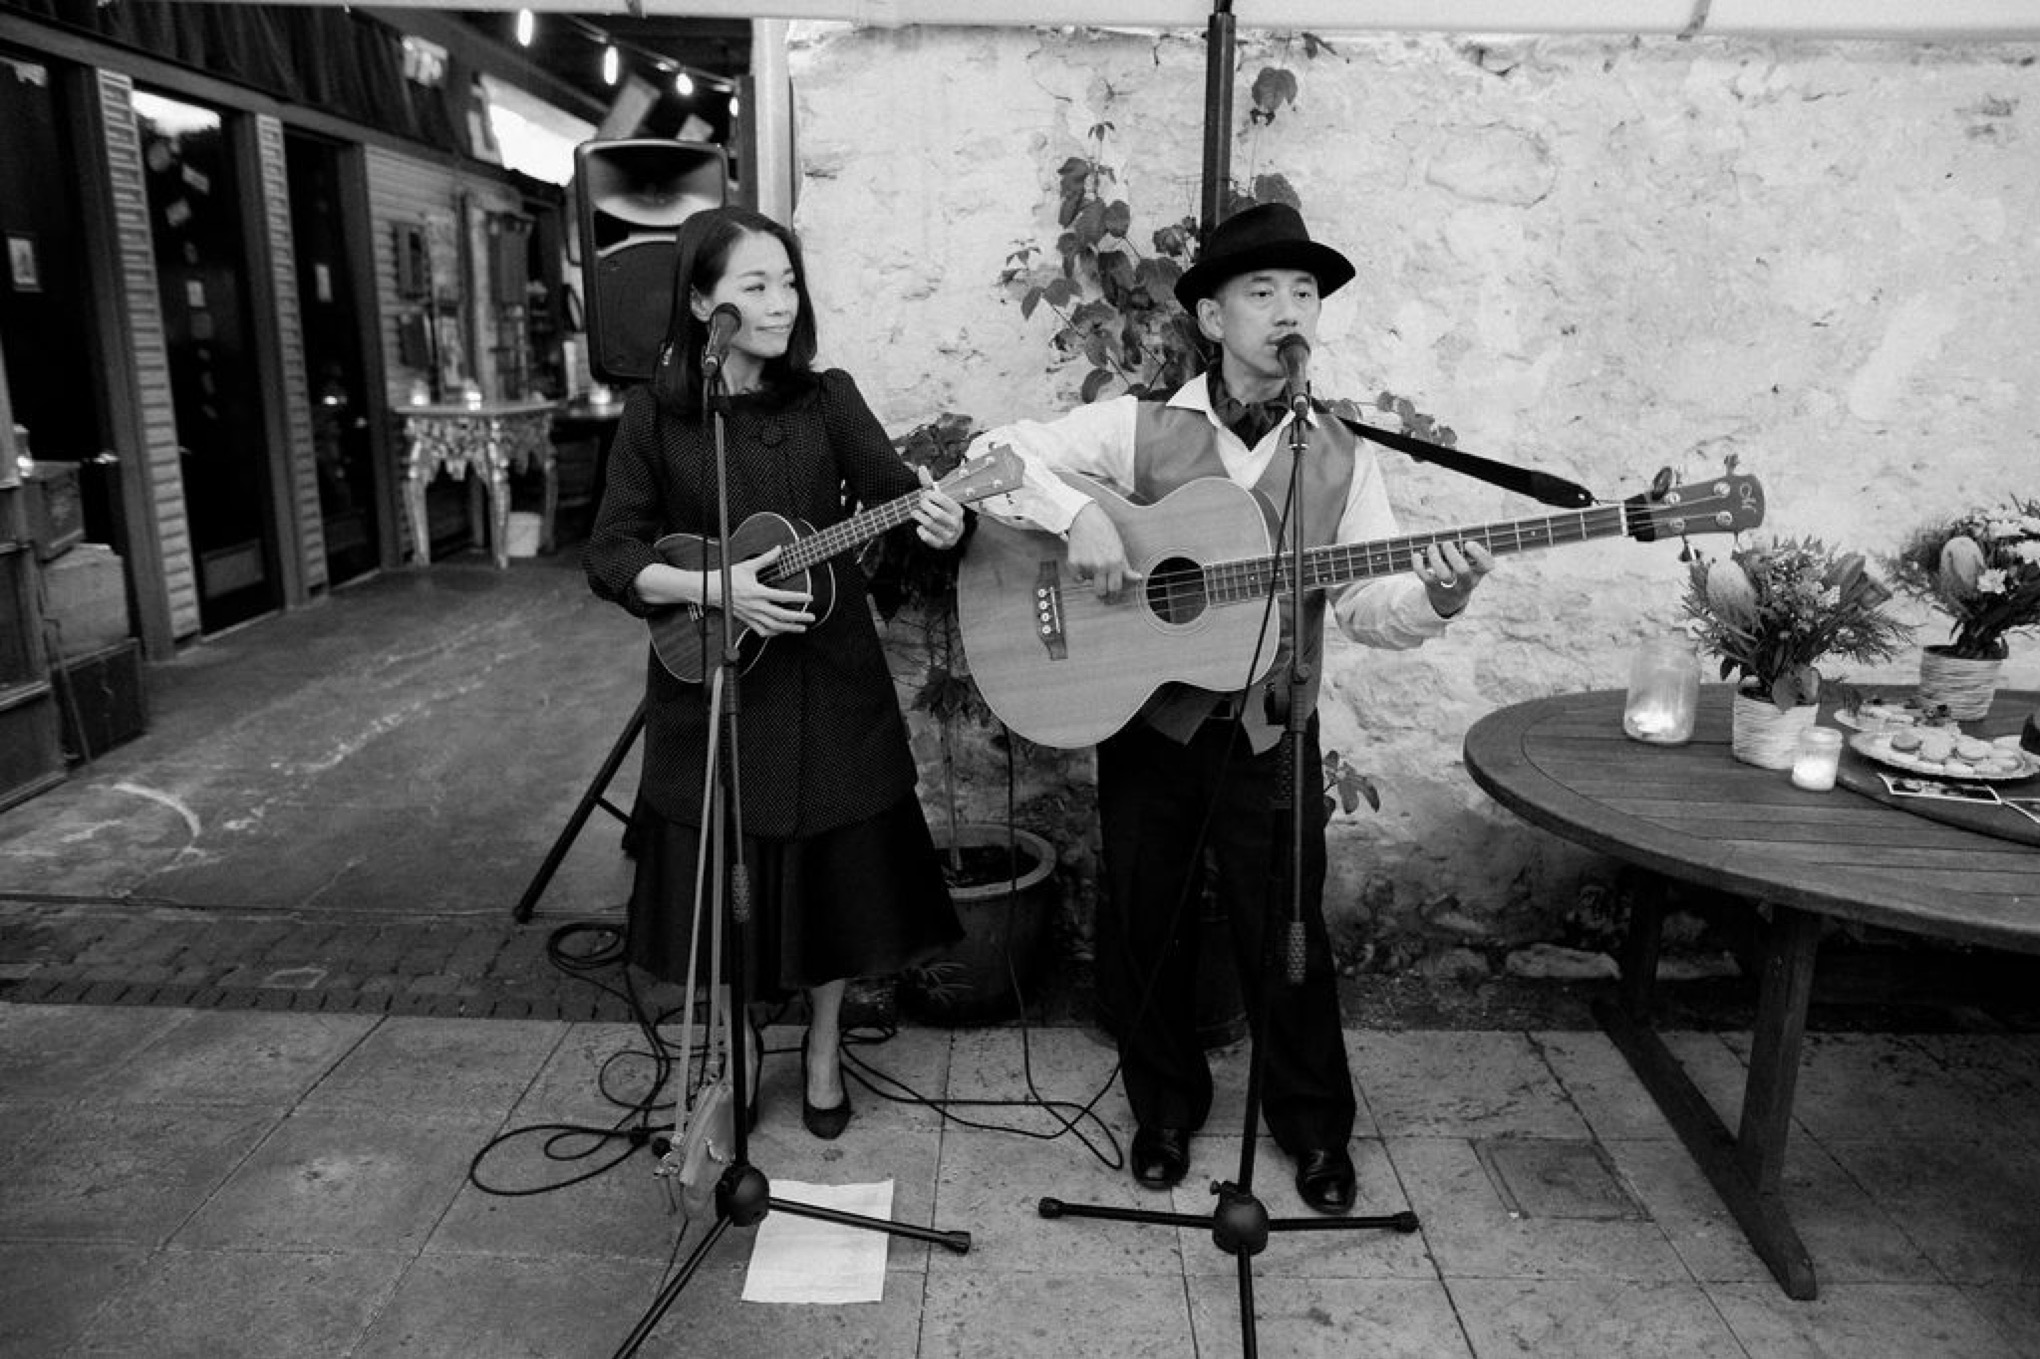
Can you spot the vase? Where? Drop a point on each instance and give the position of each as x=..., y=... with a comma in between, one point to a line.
x=1763, y=734
x=1963, y=686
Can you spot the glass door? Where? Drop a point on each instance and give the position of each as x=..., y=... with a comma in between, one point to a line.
x=201, y=258
x=333, y=359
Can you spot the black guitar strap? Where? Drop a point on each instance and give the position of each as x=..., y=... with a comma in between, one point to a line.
x=1552, y=490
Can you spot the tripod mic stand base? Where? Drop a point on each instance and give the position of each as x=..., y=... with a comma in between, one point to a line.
x=743, y=1195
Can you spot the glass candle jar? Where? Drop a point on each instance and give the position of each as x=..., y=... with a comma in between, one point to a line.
x=1664, y=691
x=1817, y=759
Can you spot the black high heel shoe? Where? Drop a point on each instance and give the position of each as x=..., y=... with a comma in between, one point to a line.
x=827, y=1124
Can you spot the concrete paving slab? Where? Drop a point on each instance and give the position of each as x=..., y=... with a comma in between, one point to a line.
x=50, y=1291
x=459, y=1307
x=1468, y=1084
x=1325, y=1319
x=57, y=1053
x=1022, y=1313
x=992, y=1184
x=1995, y=1235
x=1597, y=1080
x=995, y=1073
x=464, y=1068
x=1471, y=1233
x=1685, y=1207
x=132, y=1175
x=1863, y=1321
x=1593, y=1319
x=333, y=1179
x=2015, y=1310
x=214, y=1057
x=240, y=1304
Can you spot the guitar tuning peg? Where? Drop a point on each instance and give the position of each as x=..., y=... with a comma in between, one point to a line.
x=1661, y=483
x=1686, y=550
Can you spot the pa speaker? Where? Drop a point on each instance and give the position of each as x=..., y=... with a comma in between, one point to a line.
x=632, y=197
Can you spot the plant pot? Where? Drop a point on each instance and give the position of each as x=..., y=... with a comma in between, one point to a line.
x=1762, y=734
x=1963, y=686
x=1005, y=933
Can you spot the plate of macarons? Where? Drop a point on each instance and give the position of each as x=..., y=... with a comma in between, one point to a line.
x=1944, y=754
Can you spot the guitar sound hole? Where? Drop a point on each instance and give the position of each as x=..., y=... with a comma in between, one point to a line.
x=1175, y=591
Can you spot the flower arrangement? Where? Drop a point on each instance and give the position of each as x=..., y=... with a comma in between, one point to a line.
x=1981, y=568
x=1771, y=610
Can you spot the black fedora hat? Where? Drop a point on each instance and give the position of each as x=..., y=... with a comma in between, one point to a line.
x=1265, y=236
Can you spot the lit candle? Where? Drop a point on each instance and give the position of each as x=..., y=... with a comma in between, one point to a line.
x=1818, y=758
x=1664, y=691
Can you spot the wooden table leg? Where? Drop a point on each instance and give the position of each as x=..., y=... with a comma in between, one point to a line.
x=1782, y=997
x=1745, y=1172
x=1641, y=946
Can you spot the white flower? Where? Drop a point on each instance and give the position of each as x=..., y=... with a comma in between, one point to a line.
x=1991, y=582
x=2028, y=551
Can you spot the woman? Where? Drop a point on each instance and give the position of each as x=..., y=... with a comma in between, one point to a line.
x=844, y=876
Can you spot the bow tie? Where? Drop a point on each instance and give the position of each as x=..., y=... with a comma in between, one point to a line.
x=1251, y=420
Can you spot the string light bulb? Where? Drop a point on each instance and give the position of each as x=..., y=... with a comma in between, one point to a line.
x=611, y=63
x=735, y=104
x=526, y=26
x=683, y=85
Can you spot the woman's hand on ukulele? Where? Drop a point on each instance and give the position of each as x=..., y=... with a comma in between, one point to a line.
x=939, y=519
x=765, y=609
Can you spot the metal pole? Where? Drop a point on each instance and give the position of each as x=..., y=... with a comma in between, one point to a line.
x=1218, y=96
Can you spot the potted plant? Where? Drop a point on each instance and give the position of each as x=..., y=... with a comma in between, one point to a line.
x=1771, y=611
x=1001, y=877
x=1982, y=569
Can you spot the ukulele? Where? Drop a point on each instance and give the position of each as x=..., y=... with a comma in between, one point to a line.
x=688, y=637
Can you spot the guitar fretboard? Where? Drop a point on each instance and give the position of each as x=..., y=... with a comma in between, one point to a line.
x=1343, y=563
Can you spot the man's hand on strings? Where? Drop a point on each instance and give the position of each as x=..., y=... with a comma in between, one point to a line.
x=1097, y=556
x=1450, y=571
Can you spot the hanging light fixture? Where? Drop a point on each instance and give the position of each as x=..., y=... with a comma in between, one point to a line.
x=526, y=24
x=610, y=64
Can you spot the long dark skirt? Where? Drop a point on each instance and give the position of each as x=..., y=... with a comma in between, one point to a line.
x=859, y=901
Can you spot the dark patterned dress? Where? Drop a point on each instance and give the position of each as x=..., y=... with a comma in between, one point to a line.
x=844, y=874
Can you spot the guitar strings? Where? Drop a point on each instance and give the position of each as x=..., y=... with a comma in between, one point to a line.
x=1245, y=579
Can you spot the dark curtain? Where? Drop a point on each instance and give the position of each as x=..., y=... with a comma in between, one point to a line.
x=329, y=58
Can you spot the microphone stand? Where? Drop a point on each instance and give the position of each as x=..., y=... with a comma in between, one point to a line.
x=743, y=1194
x=1240, y=1224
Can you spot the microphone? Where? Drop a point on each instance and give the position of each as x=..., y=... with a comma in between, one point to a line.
x=723, y=324
x=1294, y=352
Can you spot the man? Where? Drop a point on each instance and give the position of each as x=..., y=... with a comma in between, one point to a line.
x=1198, y=764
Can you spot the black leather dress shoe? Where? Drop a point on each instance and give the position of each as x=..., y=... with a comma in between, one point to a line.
x=1324, y=1177
x=1161, y=1156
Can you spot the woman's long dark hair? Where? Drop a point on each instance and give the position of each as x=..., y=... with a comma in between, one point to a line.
x=701, y=254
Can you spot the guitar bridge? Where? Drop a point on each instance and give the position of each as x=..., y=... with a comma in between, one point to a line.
x=1048, y=611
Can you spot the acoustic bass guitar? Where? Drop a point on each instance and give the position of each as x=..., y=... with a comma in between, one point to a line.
x=1064, y=668
x=688, y=637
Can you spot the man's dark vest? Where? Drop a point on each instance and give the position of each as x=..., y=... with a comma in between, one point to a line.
x=1174, y=446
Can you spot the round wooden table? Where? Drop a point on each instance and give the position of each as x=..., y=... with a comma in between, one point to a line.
x=1691, y=812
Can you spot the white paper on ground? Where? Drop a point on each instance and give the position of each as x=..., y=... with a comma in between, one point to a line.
x=801, y=1259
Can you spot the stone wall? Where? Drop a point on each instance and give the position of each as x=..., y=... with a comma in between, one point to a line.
x=1597, y=256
